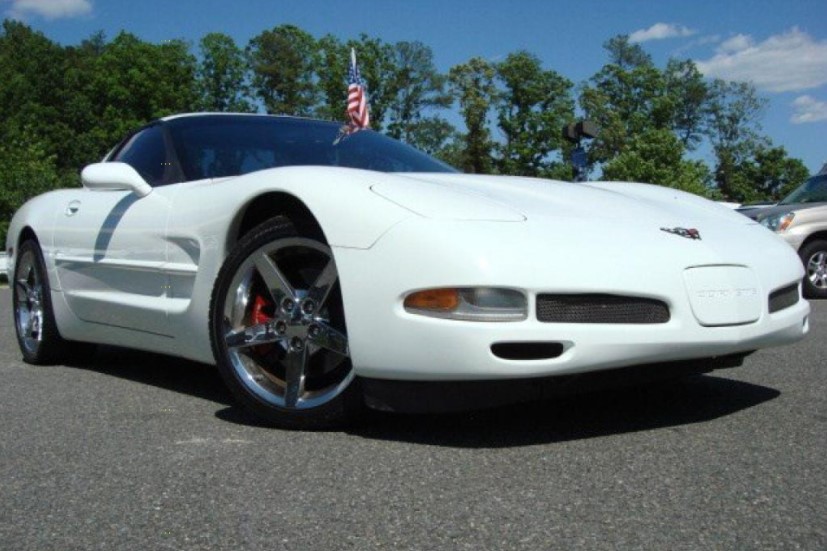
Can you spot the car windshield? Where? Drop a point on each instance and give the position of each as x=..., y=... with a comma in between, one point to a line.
x=813, y=190
x=215, y=146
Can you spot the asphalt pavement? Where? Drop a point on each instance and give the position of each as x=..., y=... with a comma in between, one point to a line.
x=130, y=450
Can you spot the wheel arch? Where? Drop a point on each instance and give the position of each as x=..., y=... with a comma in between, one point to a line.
x=268, y=205
x=26, y=233
x=817, y=236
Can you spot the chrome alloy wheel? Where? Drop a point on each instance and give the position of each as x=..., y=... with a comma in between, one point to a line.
x=284, y=325
x=28, y=306
x=817, y=269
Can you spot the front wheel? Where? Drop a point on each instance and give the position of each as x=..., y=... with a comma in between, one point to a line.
x=278, y=330
x=814, y=257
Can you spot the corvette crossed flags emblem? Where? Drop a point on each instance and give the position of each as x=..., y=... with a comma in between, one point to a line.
x=690, y=233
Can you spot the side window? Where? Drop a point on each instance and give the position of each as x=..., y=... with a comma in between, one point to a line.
x=146, y=153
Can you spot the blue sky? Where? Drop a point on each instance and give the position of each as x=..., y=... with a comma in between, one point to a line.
x=779, y=45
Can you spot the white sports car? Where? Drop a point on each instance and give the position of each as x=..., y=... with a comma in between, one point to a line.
x=321, y=272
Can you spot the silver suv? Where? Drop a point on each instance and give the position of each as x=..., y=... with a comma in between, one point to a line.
x=801, y=219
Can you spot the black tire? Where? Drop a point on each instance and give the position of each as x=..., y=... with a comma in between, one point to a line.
x=34, y=319
x=278, y=332
x=814, y=257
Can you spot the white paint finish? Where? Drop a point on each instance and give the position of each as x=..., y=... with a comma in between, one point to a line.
x=563, y=256
x=110, y=257
x=724, y=295
x=439, y=201
x=114, y=176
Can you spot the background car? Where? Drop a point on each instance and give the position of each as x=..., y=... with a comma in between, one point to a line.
x=754, y=207
x=322, y=270
x=801, y=219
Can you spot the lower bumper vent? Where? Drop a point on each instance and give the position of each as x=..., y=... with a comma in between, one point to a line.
x=527, y=350
x=597, y=308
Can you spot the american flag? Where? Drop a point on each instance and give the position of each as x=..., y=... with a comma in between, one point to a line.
x=357, y=101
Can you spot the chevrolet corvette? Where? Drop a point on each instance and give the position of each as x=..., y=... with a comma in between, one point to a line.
x=323, y=272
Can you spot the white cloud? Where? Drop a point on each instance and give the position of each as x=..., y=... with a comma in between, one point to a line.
x=808, y=109
x=784, y=62
x=50, y=9
x=694, y=43
x=659, y=31
x=735, y=44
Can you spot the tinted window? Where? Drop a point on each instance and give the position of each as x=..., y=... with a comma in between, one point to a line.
x=227, y=145
x=813, y=190
x=146, y=153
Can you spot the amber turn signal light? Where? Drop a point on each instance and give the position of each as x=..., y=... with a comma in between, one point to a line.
x=433, y=299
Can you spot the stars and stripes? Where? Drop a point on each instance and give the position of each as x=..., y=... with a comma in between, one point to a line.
x=357, y=100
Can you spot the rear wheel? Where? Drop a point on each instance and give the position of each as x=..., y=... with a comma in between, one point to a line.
x=814, y=257
x=278, y=330
x=34, y=319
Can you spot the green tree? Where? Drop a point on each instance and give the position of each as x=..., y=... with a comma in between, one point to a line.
x=222, y=75
x=281, y=60
x=689, y=94
x=332, y=68
x=733, y=126
x=418, y=87
x=533, y=108
x=27, y=170
x=772, y=174
x=435, y=136
x=126, y=85
x=32, y=89
x=626, y=54
x=656, y=157
x=472, y=83
x=627, y=97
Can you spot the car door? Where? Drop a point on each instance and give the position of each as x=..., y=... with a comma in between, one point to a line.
x=110, y=244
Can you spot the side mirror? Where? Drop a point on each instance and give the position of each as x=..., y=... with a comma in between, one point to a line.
x=114, y=177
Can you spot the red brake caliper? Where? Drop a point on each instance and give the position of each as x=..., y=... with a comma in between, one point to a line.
x=259, y=316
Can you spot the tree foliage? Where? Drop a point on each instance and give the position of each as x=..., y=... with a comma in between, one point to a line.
x=27, y=170
x=472, y=84
x=281, y=60
x=222, y=75
x=657, y=156
x=535, y=105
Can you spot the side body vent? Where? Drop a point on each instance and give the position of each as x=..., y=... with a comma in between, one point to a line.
x=784, y=297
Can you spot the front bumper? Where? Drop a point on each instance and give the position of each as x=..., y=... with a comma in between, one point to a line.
x=387, y=342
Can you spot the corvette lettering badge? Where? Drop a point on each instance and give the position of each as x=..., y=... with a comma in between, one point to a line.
x=690, y=233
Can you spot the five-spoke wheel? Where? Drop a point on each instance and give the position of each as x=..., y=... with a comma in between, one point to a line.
x=28, y=301
x=34, y=319
x=278, y=328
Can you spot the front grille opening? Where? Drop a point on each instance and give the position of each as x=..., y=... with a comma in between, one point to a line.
x=527, y=350
x=784, y=298
x=599, y=308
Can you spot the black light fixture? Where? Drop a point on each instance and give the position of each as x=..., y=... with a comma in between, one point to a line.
x=573, y=133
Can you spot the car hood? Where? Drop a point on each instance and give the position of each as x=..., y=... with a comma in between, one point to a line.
x=461, y=196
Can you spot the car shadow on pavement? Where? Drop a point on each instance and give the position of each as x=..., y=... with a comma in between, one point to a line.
x=167, y=372
x=694, y=399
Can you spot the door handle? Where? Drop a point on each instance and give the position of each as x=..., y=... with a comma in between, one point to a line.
x=72, y=208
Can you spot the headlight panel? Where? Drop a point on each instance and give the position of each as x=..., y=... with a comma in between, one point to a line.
x=469, y=303
x=778, y=222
